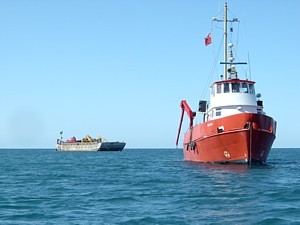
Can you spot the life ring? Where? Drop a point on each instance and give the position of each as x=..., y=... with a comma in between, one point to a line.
x=227, y=154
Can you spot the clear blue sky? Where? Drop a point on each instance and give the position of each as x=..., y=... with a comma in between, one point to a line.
x=120, y=68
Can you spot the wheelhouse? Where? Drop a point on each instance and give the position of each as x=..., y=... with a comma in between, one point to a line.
x=233, y=86
x=233, y=96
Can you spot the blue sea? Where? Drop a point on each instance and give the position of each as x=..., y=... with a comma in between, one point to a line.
x=145, y=186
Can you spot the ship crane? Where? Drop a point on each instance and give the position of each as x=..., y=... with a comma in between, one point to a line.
x=185, y=108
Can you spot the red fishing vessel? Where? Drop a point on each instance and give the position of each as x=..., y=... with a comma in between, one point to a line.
x=234, y=127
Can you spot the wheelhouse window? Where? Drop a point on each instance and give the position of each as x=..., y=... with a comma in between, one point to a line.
x=219, y=88
x=235, y=87
x=251, y=89
x=226, y=87
x=245, y=88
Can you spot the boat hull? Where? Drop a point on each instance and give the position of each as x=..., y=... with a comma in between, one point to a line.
x=79, y=146
x=90, y=146
x=240, y=138
x=112, y=146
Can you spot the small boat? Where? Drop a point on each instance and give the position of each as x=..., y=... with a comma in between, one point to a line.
x=234, y=127
x=88, y=144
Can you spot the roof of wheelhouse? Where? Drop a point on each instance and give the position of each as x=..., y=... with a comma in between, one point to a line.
x=234, y=81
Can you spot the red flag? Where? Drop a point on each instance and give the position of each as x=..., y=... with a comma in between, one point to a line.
x=208, y=39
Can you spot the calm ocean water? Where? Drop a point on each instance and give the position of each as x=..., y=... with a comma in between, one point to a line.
x=145, y=186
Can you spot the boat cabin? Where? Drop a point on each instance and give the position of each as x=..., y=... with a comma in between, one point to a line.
x=233, y=96
x=233, y=86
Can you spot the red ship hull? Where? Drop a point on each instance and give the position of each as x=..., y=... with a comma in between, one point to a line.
x=240, y=138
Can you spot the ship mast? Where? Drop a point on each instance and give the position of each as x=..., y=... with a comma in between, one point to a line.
x=225, y=20
x=225, y=40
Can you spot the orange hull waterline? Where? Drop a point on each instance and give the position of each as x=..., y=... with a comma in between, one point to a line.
x=235, y=128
